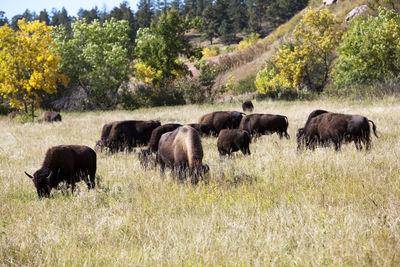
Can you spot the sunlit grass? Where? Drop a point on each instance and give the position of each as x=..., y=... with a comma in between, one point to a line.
x=276, y=207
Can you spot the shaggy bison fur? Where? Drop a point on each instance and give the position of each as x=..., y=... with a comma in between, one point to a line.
x=50, y=116
x=181, y=150
x=69, y=163
x=145, y=154
x=219, y=120
x=247, y=106
x=125, y=135
x=335, y=128
x=203, y=129
x=260, y=124
x=231, y=140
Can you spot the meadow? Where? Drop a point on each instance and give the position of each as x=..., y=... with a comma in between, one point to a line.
x=275, y=207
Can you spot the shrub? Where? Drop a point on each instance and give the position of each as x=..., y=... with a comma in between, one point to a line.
x=210, y=52
x=246, y=85
x=248, y=41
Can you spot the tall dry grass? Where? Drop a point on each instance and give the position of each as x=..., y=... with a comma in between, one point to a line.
x=276, y=207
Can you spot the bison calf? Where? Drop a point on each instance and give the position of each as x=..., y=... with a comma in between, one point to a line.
x=69, y=163
x=231, y=140
x=247, y=106
x=181, y=150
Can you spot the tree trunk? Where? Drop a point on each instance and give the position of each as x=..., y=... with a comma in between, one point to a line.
x=33, y=109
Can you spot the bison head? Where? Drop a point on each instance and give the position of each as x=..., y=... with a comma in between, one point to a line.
x=41, y=179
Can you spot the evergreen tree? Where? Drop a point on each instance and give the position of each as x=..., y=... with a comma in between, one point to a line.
x=3, y=19
x=89, y=15
x=145, y=13
x=124, y=12
x=44, y=17
x=281, y=11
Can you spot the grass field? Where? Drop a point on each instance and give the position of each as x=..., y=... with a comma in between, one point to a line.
x=276, y=207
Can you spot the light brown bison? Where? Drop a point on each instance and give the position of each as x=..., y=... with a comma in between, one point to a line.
x=247, y=106
x=231, y=140
x=219, y=120
x=125, y=135
x=181, y=150
x=50, y=116
x=335, y=128
x=260, y=124
x=69, y=163
x=145, y=154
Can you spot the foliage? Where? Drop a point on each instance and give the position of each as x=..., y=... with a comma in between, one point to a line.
x=306, y=61
x=28, y=66
x=248, y=41
x=160, y=46
x=281, y=11
x=146, y=73
x=370, y=51
x=95, y=57
x=245, y=86
x=210, y=52
x=199, y=89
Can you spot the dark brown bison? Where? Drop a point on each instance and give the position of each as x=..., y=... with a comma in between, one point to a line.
x=125, y=135
x=145, y=154
x=335, y=128
x=231, y=140
x=259, y=124
x=311, y=140
x=50, y=116
x=105, y=132
x=69, y=163
x=247, y=106
x=219, y=120
x=181, y=150
x=203, y=129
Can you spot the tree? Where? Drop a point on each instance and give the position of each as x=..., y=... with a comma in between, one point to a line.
x=28, y=67
x=95, y=57
x=370, y=50
x=145, y=13
x=307, y=60
x=3, y=19
x=123, y=12
x=44, y=17
x=160, y=45
x=281, y=11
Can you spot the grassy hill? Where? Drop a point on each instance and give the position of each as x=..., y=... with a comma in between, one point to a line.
x=275, y=207
x=248, y=62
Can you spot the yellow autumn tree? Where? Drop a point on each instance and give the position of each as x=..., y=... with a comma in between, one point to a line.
x=306, y=60
x=28, y=67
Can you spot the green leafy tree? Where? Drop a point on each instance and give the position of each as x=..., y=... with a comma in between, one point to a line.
x=160, y=46
x=306, y=61
x=95, y=57
x=144, y=13
x=370, y=50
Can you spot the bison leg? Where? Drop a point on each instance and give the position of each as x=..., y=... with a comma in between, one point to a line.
x=245, y=151
x=287, y=135
x=92, y=182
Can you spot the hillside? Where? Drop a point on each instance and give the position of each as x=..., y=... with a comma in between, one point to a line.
x=248, y=62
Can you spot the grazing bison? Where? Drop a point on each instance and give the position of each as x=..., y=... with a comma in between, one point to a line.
x=50, y=116
x=181, y=150
x=259, y=124
x=105, y=132
x=69, y=163
x=127, y=134
x=231, y=140
x=312, y=139
x=247, y=106
x=203, y=129
x=145, y=154
x=336, y=128
x=219, y=120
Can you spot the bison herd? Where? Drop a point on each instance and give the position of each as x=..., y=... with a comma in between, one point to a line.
x=179, y=148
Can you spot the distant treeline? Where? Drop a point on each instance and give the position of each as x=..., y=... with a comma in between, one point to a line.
x=222, y=19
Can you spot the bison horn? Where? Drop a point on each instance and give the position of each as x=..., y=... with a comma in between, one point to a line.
x=48, y=177
x=27, y=174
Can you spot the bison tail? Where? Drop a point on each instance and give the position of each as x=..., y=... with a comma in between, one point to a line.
x=373, y=127
x=287, y=121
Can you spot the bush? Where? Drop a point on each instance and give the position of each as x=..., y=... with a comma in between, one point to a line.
x=210, y=52
x=4, y=109
x=248, y=41
x=246, y=85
